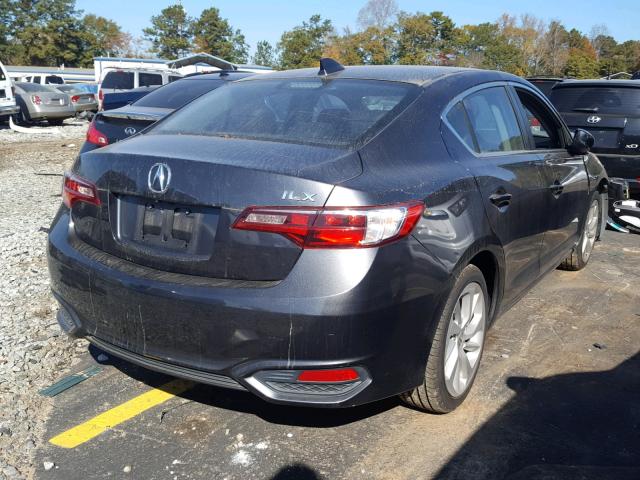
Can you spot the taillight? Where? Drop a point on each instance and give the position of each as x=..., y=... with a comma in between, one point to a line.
x=75, y=98
x=100, y=95
x=334, y=227
x=36, y=100
x=95, y=136
x=77, y=189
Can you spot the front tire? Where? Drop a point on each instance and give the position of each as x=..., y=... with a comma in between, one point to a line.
x=581, y=253
x=457, y=346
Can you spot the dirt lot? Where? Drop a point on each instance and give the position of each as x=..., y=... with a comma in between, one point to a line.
x=558, y=393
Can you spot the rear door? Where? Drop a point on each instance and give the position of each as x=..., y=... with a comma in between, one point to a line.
x=565, y=176
x=510, y=179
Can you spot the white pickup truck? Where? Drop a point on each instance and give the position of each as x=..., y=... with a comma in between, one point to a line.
x=8, y=105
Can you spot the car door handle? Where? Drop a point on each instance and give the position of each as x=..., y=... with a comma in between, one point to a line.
x=556, y=188
x=500, y=199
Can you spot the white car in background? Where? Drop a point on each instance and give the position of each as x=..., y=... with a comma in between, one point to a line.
x=43, y=79
x=121, y=79
x=8, y=104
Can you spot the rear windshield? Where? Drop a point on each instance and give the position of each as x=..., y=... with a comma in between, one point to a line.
x=118, y=80
x=614, y=100
x=545, y=86
x=34, y=87
x=335, y=112
x=176, y=94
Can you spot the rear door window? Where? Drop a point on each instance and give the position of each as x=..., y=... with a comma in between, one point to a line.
x=596, y=99
x=149, y=79
x=118, y=80
x=494, y=121
x=459, y=122
x=54, y=79
x=37, y=80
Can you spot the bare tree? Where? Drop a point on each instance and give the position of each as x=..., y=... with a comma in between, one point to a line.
x=596, y=35
x=377, y=13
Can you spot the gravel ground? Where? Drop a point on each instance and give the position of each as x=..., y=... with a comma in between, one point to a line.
x=33, y=351
x=72, y=129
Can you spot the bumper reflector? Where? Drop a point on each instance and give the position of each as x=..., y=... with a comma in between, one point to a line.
x=328, y=376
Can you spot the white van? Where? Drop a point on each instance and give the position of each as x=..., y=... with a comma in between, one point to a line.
x=8, y=105
x=121, y=79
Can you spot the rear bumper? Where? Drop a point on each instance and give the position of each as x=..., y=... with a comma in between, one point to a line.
x=52, y=114
x=335, y=309
x=9, y=110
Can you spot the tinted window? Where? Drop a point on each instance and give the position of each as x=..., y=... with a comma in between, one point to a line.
x=457, y=118
x=173, y=78
x=118, y=80
x=494, y=121
x=37, y=80
x=149, y=79
x=177, y=94
x=545, y=130
x=54, y=79
x=616, y=100
x=327, y=112
x=545, y=86
x=2, y=76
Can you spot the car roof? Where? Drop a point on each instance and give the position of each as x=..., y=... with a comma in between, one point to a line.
x=416, y=74
x=598, y=83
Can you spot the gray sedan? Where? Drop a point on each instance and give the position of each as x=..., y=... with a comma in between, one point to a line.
x=81, y=100
x=42, y=102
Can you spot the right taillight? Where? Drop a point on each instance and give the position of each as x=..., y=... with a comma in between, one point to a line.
x=95, y=136
x=334, y=227
x=77, y=189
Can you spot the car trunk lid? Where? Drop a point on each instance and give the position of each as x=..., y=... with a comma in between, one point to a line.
x=187, y=228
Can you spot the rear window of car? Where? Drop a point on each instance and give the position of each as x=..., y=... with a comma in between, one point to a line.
x=336, y=112
x=179, y=93
x=605, y=99
x=149, y=79
x=118, y=80
x=34, y=87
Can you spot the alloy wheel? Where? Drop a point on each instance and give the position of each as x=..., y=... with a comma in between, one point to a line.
x=590, y=231
x=465, y=339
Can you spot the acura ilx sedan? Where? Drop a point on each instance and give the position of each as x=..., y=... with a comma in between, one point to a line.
x=328, y=237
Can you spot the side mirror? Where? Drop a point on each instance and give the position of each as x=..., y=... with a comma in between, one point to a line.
x=582, y=142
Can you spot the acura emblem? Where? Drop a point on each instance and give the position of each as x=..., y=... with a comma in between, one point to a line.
x=159, y=178
x=593, y=119
x=130, y=131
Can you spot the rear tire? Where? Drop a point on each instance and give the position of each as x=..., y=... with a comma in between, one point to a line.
x=581, y=253
x=458, y=343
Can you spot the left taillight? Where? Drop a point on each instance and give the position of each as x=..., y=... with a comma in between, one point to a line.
x=75, y=98
x=95, y=136
x=334, y=227
x=77, y=189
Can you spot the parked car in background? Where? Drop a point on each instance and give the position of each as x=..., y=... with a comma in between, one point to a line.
x=42, y=102
x=325, y=238
x=81, y=100
x=115, y=100
x=610, y=111
x=8, y=105
x=545, y=84
x=43, y=79
x=117, y=80
x=112, y=126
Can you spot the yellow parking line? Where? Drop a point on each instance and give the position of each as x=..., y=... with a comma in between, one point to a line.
x=92, y=428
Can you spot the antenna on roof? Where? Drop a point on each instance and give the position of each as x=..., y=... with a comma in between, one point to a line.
x=329, y=66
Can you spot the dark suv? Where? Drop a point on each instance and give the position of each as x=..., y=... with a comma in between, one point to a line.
x=326, y=237
x=610, y=111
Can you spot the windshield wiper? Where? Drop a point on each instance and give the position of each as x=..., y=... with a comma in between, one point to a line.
x=586, y=109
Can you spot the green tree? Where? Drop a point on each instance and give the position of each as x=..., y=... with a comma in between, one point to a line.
x=484, y=46
x=424, y=38
x=265, y=54
x=303, y=46
x=213, y=34
x=101, y=37
x=581, y=64
x=170, y=33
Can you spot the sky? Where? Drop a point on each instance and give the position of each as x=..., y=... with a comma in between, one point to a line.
x=267, y=19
